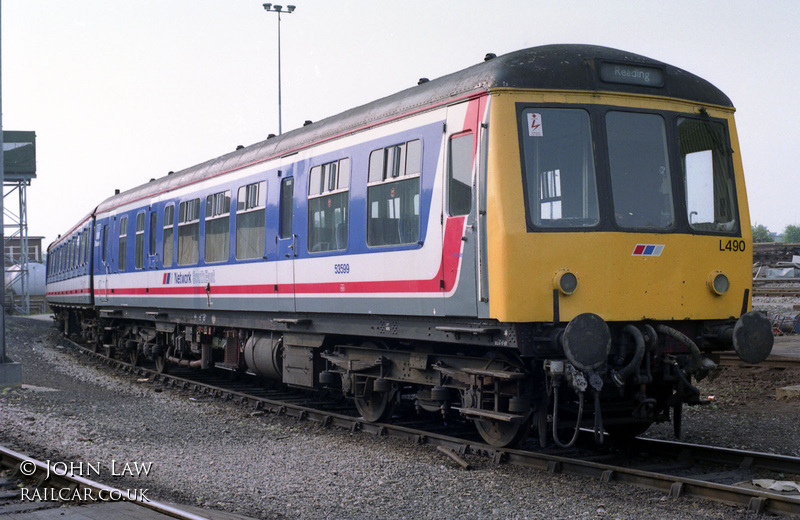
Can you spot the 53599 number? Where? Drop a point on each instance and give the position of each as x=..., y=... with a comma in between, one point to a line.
x=341, y=268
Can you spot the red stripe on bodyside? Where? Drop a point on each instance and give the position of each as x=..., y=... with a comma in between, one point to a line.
x=448, y=268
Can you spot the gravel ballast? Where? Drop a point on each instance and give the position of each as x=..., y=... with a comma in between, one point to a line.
x=217, y=455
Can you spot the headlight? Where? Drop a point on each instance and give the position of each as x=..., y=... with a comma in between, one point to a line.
x=718, y=283
x=565, y=281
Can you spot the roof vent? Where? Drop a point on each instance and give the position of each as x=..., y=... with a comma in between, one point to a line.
x=270, y=136
x=116, y=192
x=422, y=80
x=170, y=172
x=489, y=56
x=240, y=147
x=308, y=122
x=151, y=180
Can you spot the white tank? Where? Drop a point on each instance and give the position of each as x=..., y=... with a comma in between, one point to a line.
x=36, y=279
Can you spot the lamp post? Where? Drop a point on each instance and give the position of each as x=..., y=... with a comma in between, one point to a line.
x=279, y=9
x=10, y=373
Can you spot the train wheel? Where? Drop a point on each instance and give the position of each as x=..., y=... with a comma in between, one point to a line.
x=162, y=365
x=133, y=357
x=375, y=409
x=131, y=349
x=375, y=406
x=502, y=434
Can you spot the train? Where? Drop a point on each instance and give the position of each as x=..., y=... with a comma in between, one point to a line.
x=552, y=239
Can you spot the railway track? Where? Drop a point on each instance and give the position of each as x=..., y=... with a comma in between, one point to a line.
x=787, y=287
x=678, y=469
x=788, y=292
x=782, y=362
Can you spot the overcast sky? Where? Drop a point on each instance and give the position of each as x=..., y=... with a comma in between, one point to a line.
x=119, y=92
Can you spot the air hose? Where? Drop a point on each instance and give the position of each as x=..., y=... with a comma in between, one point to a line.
x=577, y=422
x=697, y=357
x=621, y=375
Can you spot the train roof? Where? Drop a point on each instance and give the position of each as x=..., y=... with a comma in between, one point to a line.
x=551, y=67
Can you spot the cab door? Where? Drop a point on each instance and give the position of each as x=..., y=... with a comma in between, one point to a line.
x=460, y=246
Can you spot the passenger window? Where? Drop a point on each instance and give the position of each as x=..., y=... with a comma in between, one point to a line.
x=189, y=232
x=87, y=246
x=328, y=196
x=218, y=210
x=414, y=157
x=76, y=242
x=460, y=175
x=315, y=181
x=168, y=235
x=393, y=194
x=123, y=242
x=251, y=202
x=79, y=241
x=139, y=262
x=376, y=165
x=287, y=209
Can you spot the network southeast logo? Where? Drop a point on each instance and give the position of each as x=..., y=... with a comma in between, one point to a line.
x=648, y=249
x=189, y=277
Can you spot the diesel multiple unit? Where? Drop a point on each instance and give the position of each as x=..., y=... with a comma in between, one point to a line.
x=552, y=238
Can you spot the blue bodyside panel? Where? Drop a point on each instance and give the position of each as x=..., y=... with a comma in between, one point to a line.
x=357, y=221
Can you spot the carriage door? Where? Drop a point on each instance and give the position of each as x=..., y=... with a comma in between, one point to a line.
x=287, y=243
x=459, y=247
x=101, y=260
x=151, y=254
